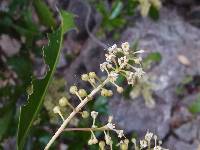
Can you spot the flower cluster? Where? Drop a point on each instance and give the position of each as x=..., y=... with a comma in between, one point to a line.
x=122, y=61
x=119, y=61
x=110, y=126
x=149, y=142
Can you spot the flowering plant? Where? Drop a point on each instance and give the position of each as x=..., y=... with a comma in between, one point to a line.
x=119, y=61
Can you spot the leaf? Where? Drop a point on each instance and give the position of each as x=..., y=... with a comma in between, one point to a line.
x=154, y=57
x=117, y=10
x=154, y=13
x=195, y=106
x=29, y=112
x=67, y=23
x=44, y=13
x=100, y=105
x=4, y=121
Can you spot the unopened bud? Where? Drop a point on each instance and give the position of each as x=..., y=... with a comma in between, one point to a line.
x=73, y=89
x=85, y=77
x=92, y=75
x=123, y=146
x=56, y=109
x=85, y=114
x=102, y=145
x=82, y=93
x=120, y=89
x=63, y=102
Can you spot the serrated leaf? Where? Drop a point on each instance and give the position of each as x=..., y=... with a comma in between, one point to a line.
x=29, y=112
x=44, y=13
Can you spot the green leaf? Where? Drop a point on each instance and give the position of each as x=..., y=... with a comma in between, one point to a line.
x=44, y=13
x=29, y=112
x=154, y=57
x=117, y=10
x=4, y=121
x=195, y=106
x=67, y=23
x=100, y=105
x=153, y=13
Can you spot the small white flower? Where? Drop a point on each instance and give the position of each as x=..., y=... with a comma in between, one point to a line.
x=138, y=60
x=94, y=114
x=120, y=133
x=148, y=136
x=143, y=143
x=110, y=57
x=157, y=148
x=56, y=109
x=139, y=72
x=125, y=47
x=112, y=49
x=104, y=66
x=131, y=78
x=111, y=126
x=123, y=61
x=108, y=139
x=113, y=76
x=119, y=50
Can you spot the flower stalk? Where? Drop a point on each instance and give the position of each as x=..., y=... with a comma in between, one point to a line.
x=74, y=112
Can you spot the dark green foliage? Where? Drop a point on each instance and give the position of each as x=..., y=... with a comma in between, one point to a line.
x=51, y=52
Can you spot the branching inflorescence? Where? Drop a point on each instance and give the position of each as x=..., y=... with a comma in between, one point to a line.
x=119, y=61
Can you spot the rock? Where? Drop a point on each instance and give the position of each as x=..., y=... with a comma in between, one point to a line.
x=194, y=16
x=188, y=132
x=180, y=116
x=175, y=144
x=170, y=36
x=9, y=46
x=183, y=2
x=133, y=115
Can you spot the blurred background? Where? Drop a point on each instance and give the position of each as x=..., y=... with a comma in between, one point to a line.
x=166, y=101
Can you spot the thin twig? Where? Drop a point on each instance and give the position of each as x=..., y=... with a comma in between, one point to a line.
x=100, y=43
x=87, y=129
x=73, y=113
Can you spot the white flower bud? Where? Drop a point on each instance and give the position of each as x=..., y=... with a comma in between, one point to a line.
x=84, y=77
x=82, y=93
x=102, y=145
x=120, y=89
x=143, y=143
x=92, y=75
x=120, y=133
x=63, y=102
x=85, y=114
x=73, y=89
x=125, y=46
x=124, y=146
x=94, y=114
x=56, y=109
